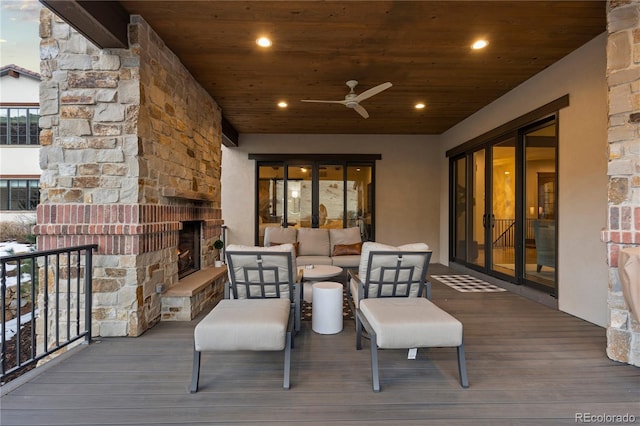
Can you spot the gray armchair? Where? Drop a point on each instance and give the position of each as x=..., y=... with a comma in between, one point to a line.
x=388, y=298
x=259, y=310
x=544, y=232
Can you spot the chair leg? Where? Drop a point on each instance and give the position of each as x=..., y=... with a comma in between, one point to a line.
x=195, y=377
x=462, y=367
x=374, y=362
x=358, y=333
x=287, y=361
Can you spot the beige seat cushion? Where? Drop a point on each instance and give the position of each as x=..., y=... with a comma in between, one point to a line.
x=314, y=242
x=379, y=262
x=278, y=262
x=344, y=236
x=245, y=324
x=412, y=322
x=279, y=235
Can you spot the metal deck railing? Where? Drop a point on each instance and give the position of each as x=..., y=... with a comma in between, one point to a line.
x=45, y=302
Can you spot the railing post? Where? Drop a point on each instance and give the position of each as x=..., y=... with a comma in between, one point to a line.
x=88, y=267
x=3, y=292
x=224, y=247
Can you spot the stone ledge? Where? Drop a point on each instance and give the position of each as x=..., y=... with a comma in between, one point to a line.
x=193, y=283
x=187, y=195
x=193, y=294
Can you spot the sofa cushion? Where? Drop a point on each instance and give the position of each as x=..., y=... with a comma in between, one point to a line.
x=313, y=260
x=279, y=235
x=314, y=242
x=295, y=245
x=344, y=236
x=347, y=249
x=350, y=261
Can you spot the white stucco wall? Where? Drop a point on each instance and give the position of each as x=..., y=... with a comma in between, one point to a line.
x=21, y=90
x=407, y=198
x=21, y=161
x=582, y=179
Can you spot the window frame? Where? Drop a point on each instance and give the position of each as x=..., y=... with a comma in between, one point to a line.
x=27, y=137
x=8, y=186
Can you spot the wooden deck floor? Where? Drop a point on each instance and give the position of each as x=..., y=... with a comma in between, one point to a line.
x=528, y=365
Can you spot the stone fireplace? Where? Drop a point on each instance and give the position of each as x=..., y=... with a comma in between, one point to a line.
x=130, y=157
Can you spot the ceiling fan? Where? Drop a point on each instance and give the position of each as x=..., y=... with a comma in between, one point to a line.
x=351, y=100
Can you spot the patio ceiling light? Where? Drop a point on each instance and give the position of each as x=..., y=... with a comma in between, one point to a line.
x=283, y=104
x=419, y=105
x=263, y=42
x=479, y=44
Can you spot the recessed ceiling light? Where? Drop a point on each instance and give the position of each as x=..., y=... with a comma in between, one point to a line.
x=283, y=104
x=263, y=42
x=479, y=44
x=419, y=105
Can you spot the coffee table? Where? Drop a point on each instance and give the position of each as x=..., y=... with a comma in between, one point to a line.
x=316, y=273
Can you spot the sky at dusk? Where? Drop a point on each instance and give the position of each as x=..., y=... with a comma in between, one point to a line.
x=19, y=33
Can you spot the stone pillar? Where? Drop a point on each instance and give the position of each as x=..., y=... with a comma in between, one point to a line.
x=130, y=148
x=623, y=224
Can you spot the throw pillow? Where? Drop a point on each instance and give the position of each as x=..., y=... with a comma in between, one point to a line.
x=295, y=246
x=347, y=249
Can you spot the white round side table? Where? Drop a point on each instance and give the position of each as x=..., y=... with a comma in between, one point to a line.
x=326, y=310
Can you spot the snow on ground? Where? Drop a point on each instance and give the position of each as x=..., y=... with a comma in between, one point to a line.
x=9, y=248
x=11, y=327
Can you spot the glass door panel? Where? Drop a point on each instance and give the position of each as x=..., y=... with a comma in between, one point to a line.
x=502, y=218
x=299, y=195
x=270, y=198
x=360, y=199
x=540, y=206
x=476, y=252
x=331, y=196
x=460, y=209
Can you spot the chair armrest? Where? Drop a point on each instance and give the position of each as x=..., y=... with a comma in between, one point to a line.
x=352, y=276
x=227, y=290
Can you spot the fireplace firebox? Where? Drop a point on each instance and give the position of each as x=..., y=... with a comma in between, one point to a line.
x=189, y=248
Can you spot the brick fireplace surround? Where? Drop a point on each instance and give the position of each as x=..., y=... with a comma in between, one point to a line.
x=130, y=148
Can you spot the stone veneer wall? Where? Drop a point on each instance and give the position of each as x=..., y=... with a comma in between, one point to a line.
x=130, y=148
x=623, y=227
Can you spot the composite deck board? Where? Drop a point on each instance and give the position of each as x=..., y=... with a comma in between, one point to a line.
x=527, y=363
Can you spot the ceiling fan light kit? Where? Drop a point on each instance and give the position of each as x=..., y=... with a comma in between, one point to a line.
x=352, y=100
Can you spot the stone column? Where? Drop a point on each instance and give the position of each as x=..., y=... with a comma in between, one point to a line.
x=130, y=148
x=623, y=225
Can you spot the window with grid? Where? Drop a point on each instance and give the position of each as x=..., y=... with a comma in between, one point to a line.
x=19, y=194
x=19, y=126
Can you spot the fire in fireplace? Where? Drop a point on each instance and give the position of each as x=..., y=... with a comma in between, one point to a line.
x=189, y=248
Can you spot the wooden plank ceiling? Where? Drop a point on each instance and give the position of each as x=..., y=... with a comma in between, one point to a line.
x=422, y=47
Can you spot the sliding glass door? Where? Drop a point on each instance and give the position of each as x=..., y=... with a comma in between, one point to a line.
x=504, y=206
x=501, y=219
x=540, y=145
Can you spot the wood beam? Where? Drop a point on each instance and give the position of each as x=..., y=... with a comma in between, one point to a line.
x=229, y=134
x=104, y=23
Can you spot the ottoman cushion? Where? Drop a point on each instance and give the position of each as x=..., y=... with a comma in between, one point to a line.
x=411, y=323
x=244, y=324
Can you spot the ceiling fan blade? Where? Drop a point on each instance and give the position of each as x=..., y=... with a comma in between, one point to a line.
x=360, y=110
x=373, y=91
x=323, y=102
